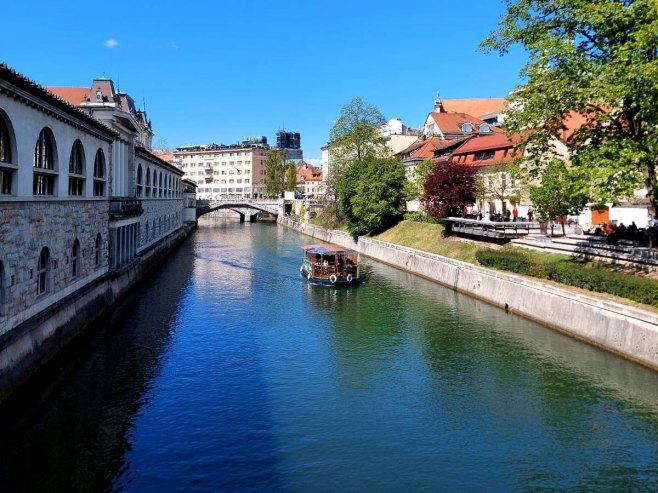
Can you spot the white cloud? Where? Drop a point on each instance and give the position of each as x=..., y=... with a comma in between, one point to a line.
x=314, y=161
x=174, y=45
x=111, y=42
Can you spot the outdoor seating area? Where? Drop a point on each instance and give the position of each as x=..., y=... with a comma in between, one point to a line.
x=500, y=230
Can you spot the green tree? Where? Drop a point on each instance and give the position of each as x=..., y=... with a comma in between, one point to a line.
x=596, y=59
x=415, y=185
x=275, y=172
x=371, y=193
x=355, y=136
x=562, y=192
x=291, y=177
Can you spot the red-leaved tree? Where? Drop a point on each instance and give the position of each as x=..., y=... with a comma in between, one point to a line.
x=448, y=189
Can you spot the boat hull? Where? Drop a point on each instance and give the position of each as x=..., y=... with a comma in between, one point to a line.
x=332, y=280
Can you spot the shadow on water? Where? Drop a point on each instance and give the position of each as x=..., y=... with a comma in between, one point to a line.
x=67, y=429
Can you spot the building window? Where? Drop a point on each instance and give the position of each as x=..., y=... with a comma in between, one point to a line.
x=75, y=258
x=5, y=142
x=6, y=173
x=76, y=170
x=155, y=183
x=160, y=186
x=484, y=128
x=43, y=269
x=99, y=174
x=148, y=182
x=97, y=249
x=484, y=155
x=467, y=128
x=44, y=165
x=139, y=180
x=6, y=178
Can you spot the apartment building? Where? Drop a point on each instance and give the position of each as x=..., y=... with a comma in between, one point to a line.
x=224, y=171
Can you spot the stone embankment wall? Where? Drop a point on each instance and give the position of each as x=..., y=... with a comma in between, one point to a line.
x=34, y=342
x=627, y=331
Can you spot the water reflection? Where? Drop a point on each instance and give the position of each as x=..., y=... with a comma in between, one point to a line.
x=77, y=413
x=231, y=372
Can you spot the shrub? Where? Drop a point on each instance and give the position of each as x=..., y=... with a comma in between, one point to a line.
x=590, y=275
x=420, y=217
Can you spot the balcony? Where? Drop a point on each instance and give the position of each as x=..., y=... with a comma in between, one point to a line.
x=125, y=207
x=209, y=171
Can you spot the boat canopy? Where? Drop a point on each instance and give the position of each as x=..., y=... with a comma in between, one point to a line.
x=323, y=249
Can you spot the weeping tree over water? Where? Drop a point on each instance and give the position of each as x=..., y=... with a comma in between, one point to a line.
x=593, y=65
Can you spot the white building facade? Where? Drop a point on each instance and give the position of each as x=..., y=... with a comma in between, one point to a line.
x=224, y=171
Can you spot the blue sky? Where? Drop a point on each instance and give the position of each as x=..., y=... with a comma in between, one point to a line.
x=217, y=71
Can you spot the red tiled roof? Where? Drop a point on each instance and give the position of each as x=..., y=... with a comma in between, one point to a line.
x=477, y=107
x=22, y=82
x=487, y=142
x=450, y=123
x=424, y=149
x=72, y=95
x=306, y=172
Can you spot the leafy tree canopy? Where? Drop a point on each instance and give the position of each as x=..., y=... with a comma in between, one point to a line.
x=448, y=189
x=415, y=185
x=275, y=172
x=291, y=177
x=595, y=60
x=563, y=191
x=371, y=194
x=354, y=136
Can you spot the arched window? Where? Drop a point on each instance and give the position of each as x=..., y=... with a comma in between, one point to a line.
x=98, y=249
x=7, y=173
x=44, y=165
x=139, y=180
x=161, y=186
x=5, y=142
x=75, y=258
x=484, y=128
x=99, y=174
x=76, y=170
x=148, y=182
x=43, y=271
x=155, y=183
x=467, y=128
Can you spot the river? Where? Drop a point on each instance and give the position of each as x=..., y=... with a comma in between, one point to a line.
x=226, y=371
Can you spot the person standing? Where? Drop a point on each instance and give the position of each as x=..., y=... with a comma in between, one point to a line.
x=530, y=215
x=515, y=214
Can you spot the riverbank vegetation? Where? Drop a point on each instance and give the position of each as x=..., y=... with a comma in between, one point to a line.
x=592, y=276
x=599, y=277
x=431, y=238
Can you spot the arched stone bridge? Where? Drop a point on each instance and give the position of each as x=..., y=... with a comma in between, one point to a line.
x=244, y=207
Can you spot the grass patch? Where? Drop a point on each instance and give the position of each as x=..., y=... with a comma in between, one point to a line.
x=430, y=238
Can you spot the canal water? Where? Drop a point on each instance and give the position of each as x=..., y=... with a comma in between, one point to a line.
x=226, y=371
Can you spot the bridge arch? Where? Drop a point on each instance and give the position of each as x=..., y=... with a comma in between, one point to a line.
x=243, y=207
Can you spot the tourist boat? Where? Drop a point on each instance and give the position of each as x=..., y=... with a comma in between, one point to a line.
x=330, y=264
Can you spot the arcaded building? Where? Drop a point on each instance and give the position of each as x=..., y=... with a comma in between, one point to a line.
x=83, y=203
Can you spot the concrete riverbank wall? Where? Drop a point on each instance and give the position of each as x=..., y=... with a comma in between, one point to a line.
x=627, y=331
x=30, y=345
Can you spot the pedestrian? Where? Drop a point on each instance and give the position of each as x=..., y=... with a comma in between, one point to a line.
x=530, y=215
x=515, y=213
x=507, y=215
